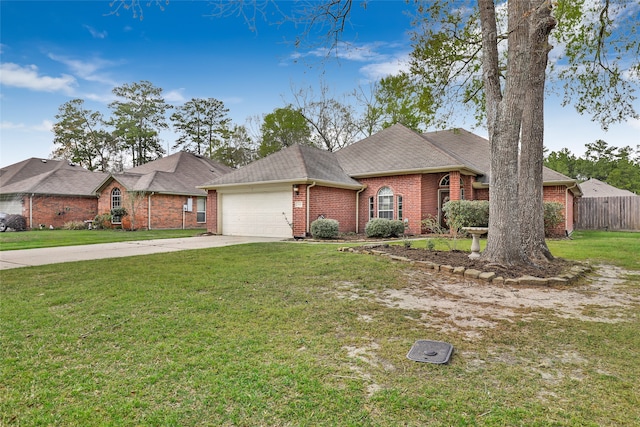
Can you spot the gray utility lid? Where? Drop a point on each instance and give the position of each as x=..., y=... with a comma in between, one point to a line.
x=430, y=351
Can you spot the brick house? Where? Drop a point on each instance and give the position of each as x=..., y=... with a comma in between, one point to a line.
x=161, y=194
x=395, y=174
x=49, y=192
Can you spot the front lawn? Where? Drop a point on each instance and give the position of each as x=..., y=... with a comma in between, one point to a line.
x=51, y=238
x=301, y=334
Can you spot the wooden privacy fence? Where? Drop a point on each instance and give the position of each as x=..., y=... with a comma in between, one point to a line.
x=608, y=213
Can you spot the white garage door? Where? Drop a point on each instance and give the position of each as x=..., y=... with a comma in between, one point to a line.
x=265, y=214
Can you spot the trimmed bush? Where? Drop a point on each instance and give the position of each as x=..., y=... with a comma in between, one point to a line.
x=552, y=217
x=101, y=222
x=466, y=213
x=380, y=227
x=324, y=229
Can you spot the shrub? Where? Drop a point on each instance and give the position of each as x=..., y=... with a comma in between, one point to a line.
x=324, y=229
x=74, y=225
x=380, y=227
x=16, y=222
x=552, y=217
x=100, y=222
x=466, y=213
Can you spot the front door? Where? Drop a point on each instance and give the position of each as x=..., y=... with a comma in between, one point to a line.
x=443, y=197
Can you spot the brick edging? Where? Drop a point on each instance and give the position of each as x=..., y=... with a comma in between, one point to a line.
x=573, y=274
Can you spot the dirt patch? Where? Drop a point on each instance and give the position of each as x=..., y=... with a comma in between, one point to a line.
x=452, y=303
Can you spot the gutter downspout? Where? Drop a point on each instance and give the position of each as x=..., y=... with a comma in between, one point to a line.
x=358, y=208
x=308, y=213
x=149, y=211
x=31, y=210
x=566, y=205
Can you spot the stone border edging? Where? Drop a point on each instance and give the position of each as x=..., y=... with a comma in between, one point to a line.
x=574, y=272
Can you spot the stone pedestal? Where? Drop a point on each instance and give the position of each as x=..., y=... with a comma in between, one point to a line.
x=475, y=232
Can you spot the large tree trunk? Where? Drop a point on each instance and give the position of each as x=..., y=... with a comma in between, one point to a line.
x=532, y=145
x=504, y=243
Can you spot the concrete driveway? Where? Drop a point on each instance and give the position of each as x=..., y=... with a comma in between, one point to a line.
x=32, y=257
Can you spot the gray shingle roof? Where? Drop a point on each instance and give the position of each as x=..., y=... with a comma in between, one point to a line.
x=597, y=188
x=179, y=173
x=45, y=176
x=295, y=164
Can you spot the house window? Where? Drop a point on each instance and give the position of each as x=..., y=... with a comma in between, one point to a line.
x=372, y=209
x=116, y=202
x=445, y=182
x=201, y=215
x=400, y=213
x=385, y=203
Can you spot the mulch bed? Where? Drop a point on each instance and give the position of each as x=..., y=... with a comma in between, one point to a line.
x=553, y=268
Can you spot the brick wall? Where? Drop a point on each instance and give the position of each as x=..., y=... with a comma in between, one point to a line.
x=212, y=211
x=334, y=203
x=558, y=193
x=407, y=186
x=166, y=209
x=57, y=210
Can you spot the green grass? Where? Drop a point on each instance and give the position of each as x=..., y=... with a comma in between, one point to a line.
x=51, y=238
x=261, y=334
x=617, y=248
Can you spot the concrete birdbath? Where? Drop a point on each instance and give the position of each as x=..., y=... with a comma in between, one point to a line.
x=475, y=232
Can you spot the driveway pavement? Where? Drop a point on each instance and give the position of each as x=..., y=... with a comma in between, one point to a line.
x=32, y=257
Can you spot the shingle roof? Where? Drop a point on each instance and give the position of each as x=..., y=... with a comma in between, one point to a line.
x=295, y=164
x=597, y=188
x=45, y=176
x=395, y=149
x=179, y=173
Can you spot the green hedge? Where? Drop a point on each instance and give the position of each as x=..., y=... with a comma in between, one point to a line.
x=466, y=213
x=380, y=227
x=324, y=229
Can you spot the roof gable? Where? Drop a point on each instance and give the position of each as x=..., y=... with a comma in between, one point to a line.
x=596, y=188
x=295, y=164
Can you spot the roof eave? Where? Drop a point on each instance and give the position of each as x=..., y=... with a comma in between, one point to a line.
x=462, y=168
x=293, y=181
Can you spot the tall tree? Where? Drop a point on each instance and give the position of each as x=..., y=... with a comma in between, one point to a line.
x=80, y=137
x=203, y=125
x=401, y=100
x=138, y=119
x=238, y=149
x=333, y=123
x=282, y=128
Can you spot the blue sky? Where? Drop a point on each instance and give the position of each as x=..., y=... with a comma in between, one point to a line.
x=54, y=51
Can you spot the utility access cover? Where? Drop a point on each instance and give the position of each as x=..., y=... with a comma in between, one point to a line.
x=430, y=351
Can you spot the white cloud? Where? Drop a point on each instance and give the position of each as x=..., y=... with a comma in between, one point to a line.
x=27, y=77
x=44, y=126
x=87, y=70
x=174, y=95
x=375, y=71
x=95, y=33
x=11, y=126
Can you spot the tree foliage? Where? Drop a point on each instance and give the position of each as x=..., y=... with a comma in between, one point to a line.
x=619, y=167
x=283, y=128
x=138, y=118
x=80, y=137
x=203, y=125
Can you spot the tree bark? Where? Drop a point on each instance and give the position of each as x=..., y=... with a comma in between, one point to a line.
x=503, y=242
x=532, y=142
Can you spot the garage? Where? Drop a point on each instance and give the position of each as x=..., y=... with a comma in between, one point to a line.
x=256, y=213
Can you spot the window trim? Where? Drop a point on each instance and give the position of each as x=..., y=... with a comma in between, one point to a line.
x=385, y=200
x=203, y=212
x=116, y=202
x=372, y=208
x=400, y=206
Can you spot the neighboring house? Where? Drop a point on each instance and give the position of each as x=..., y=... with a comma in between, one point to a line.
x=158, y=194
x=49, y=192
x=597, y=188
x=162, y=193
x=395, y=174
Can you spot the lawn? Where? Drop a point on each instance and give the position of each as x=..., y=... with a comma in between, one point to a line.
x=51, y=238
x=298, y=334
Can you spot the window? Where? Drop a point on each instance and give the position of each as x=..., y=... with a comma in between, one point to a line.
x=116, y=202
x=372, y=209
x=385, y=203
x=400, y=213
x=445, y=182
x=201, y=215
